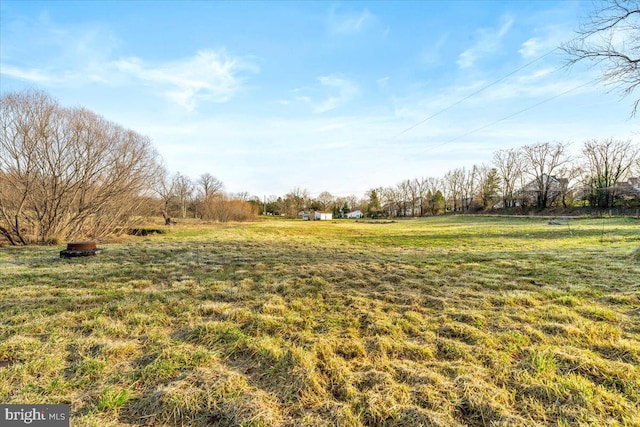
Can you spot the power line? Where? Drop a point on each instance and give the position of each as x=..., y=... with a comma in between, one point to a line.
x=544, y=101
x=460, y=101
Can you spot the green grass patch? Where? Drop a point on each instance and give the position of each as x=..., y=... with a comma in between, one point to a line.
x=441, y=321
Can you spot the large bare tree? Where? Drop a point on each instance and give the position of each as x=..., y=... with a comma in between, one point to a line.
x=67, y=173
x=611, y=37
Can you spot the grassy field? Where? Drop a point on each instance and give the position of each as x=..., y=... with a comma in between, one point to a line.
x=435, y=322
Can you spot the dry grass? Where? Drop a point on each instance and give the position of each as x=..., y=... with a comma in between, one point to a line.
x=439, y=322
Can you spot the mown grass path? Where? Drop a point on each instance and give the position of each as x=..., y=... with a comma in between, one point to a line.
x=442, y=321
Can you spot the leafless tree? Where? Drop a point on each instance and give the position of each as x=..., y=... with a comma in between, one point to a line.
x=67, y=173
x=243, y=196
x=542, y=162
x=326, y=200
x=509, y=166
x=607, y=162
x=470, y=186
x=390, y=201
x=454, y=181
x=164, y=187
x=209, y=185
x=611, y=37
x=183, y=189
x=208, y=188
x=296, y=200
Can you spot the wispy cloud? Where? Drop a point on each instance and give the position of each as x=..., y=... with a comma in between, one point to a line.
x=347, y=23
x=488, y=42
x=30, y=74
x=341, y=91
x=81, y=55
x=208, y=76
x=531, y=48
x=546, y=39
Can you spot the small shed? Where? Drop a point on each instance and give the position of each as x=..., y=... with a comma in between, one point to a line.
x=322, y=215
x=355, y=214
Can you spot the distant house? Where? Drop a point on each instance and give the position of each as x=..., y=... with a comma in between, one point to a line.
x=306, y=216
x=355, y=214
x=631, y=188
x=321, y=215
x=553, y=186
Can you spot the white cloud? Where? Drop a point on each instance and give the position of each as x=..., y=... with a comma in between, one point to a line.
x=48, y=54
x=488, y=42
x=209, y=75
x=531, y=48
x=29, y=74
x=349, y=22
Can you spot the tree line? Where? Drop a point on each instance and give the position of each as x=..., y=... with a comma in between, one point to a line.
x=539, y=176
x=202, y=199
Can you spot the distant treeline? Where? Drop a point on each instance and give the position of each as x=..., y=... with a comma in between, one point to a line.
x=529, y=178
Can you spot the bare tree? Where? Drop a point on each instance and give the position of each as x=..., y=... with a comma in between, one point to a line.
x=67, y=172
x=470, y=186
x=325, y=200
x=296, y=200
x=509, y=166
x=607, y=162
x=611, y=37
x=208, y=187
x=183, y=189
x=244, y=196
x=390, y=200
x=163, y=186
x=454, y=181
x=543, y=162
x=421, y=188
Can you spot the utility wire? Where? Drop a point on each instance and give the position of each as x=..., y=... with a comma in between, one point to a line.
x=544, y=101
x=495, y=82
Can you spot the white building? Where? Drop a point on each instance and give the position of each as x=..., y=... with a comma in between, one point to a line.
x=320, y=215
x=355, y=214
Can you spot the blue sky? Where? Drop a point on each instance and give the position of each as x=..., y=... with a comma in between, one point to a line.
x=325, y=96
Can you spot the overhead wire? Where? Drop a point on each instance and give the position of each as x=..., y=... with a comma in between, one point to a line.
x=544, y=101
x=482, y=89
x=493, y=83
